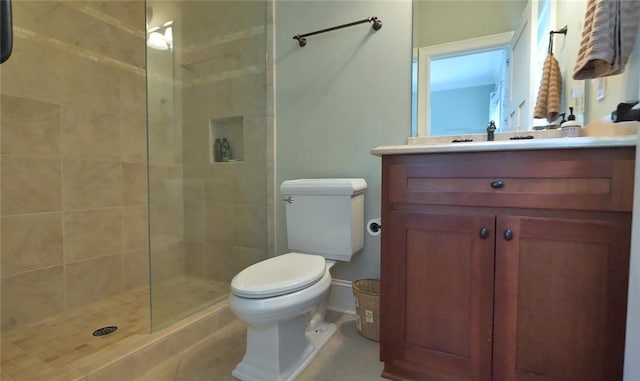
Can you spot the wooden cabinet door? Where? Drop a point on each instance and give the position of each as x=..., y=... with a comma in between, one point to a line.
x=560, y=298
x=437, y=296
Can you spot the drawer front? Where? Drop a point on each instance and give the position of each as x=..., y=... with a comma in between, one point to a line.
x=528, y=179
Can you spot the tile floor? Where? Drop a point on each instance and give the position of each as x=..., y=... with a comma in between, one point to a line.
x=347, y=357
x=44, y=350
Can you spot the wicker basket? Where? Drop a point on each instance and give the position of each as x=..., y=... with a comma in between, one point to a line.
x=366, y=293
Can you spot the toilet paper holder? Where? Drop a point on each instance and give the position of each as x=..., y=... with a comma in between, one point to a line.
x=375, y=227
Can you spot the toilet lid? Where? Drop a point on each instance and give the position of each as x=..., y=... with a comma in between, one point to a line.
x=279, y=275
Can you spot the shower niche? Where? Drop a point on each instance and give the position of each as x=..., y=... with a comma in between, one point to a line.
x=226, y=140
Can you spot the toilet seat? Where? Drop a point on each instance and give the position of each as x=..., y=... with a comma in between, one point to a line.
x=280, y=275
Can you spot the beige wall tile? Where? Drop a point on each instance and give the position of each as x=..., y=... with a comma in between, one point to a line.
x=167, y=259
x=206, y=61
x=135, y=183
x=196, y=140
x=163, y=143
x=136, y=269
x=134, y=139
x=194, y=223
x=272, y=189
x=74, y=90
x=166, y=213
x=31, y=241
x=90, y=134
x=251, y=94
x=194, y=214
x=220, y=190
x=134, y=227
x=195, y=252
x=32, y=296
x=90, y=84
x=249, y=229
x=242, y=257
x=30, y=128
x=133, y=114
x=248, y=179
x=218, y=262
x=216, y=94
x=91, y=233
x=30, y=185
x=92, y=184
x=255, y=132
x=271, y=233
x=161, y=91
x=220, y=224
x=130, y=13
x=166, y=221
x=25, y=68
x=85, y=32
x=93, y=279
x=133, y=94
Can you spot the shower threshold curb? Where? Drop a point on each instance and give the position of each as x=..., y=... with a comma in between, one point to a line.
x=135, y=355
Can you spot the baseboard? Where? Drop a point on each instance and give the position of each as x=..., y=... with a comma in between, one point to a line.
x=341, y=297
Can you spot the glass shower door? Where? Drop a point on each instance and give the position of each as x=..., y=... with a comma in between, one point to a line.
x=206, y=81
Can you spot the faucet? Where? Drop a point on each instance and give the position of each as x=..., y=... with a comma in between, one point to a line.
x=490, y=131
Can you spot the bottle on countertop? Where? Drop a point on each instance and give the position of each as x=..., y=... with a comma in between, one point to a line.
x=217, y=150
x=226, y=150
x=571, y=128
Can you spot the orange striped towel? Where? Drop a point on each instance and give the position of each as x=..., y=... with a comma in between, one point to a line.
x=548, y=103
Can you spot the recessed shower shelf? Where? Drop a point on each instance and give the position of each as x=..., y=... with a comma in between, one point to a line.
x=227, y=131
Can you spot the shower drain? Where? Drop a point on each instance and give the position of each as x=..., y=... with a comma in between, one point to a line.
x=104, y=330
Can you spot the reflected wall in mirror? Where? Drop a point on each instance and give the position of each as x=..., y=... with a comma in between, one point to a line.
x=445, y=32
x=463, y=84
x=449, y=22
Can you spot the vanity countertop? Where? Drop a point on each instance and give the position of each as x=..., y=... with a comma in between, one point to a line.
x=510, y=145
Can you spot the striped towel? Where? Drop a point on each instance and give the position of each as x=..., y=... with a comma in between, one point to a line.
x=548, y=103
x=608, y=36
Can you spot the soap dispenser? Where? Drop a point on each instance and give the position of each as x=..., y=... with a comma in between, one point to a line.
x=570, y=128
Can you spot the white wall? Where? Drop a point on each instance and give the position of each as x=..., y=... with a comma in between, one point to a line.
x=344, y=93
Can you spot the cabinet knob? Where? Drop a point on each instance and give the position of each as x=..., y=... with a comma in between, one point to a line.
x=497, y=184
x=508, y=234
x=484, y=233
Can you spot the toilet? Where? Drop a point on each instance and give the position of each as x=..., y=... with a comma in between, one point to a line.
x=283, y=299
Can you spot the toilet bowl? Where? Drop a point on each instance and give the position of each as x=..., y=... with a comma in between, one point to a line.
x=283, y=299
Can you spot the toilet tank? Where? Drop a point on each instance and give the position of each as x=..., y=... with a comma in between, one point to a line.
x=325, y=216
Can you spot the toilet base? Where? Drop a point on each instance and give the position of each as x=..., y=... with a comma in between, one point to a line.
x=316, y=339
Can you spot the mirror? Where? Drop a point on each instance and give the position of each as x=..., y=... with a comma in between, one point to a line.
x=517, y=34
x=468, y=79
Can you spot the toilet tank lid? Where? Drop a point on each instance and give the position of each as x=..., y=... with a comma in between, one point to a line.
x=335, y=186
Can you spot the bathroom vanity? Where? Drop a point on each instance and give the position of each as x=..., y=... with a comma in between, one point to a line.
x=507, y=260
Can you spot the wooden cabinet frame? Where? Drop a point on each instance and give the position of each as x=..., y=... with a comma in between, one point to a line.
x=434, y=208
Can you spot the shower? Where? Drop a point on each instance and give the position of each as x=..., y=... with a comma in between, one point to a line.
x=116, y=218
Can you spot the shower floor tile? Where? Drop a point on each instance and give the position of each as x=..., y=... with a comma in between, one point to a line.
x=44, y=350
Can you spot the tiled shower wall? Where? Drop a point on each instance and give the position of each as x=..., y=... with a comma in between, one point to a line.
x=223, y=74
x=73, y=128
x=73, y=138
